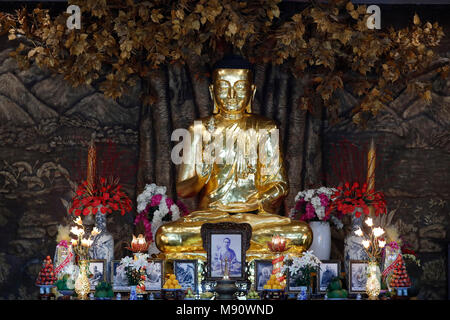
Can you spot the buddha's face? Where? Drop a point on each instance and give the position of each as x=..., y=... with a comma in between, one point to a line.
x=232, y=89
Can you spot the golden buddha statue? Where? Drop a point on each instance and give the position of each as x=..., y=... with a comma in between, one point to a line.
x=233, y=180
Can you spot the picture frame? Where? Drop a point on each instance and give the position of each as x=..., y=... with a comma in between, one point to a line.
x=263, y=271
x=357, y=276
x=154, y=279
x=222, y=241
x=290, y=287
x=186, y=272
x=97, y=271
x=448, y=271
x=328, y=269
x=119, y=280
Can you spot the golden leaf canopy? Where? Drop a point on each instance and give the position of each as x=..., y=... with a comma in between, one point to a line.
x=327, y=44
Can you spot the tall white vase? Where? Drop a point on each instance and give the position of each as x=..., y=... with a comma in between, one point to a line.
x=321, y=244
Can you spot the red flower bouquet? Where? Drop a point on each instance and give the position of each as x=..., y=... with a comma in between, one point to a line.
x=348, y=198
x=106, y=194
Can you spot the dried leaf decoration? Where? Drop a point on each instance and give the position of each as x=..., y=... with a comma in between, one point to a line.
x=327, y=43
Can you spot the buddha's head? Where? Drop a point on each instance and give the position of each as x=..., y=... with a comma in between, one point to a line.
x=232, y=89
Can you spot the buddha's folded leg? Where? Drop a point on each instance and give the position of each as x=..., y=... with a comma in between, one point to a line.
x=179, y=236
x=184, y=235
x=264, y=226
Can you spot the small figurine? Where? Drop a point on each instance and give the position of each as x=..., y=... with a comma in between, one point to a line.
x=335, y=289
x=118, y=296
x=358, y=296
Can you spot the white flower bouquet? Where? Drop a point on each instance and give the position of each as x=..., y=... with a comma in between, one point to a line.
x=300, y=268
x=313, y=205
x=154, y=208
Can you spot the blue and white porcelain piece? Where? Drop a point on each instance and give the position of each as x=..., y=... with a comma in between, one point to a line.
x=103, y=244
x=45, y=289
x=353, y=249
x=133, y=294
x=303, y=294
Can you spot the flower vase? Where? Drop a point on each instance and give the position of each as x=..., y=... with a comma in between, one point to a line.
x=353, y=249
x=82, y=284
x=103, y=245
x=373, y=284
x=321, y=245
x=133, y=293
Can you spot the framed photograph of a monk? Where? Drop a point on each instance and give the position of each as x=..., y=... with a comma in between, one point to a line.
x=328, y=270
x=186, y=273
x=97, y=272
x=357, y=277
x=263, y=271
x=119, y=279
x=226, y=245
x=154, y=275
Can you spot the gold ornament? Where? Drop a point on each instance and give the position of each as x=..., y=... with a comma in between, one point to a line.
x=91, y=171
x=239, y=190
x=82, y=284
x=371, y=161
x=372, y=284
x=279, y=246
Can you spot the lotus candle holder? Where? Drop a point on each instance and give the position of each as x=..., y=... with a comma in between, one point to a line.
x=139, y=244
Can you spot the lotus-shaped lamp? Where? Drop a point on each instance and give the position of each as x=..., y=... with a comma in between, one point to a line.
x=278, y=244
x=138, y=244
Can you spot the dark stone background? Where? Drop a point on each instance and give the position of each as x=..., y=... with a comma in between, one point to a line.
x=45, y=126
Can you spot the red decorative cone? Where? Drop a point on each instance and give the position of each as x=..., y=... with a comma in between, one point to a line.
x=400, y=278
x=47, y=275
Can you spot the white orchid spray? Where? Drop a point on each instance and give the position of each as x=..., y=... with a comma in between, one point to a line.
x=135, y=268
x=300, y=268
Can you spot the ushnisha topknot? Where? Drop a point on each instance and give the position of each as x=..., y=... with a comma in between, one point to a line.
x=233, y=62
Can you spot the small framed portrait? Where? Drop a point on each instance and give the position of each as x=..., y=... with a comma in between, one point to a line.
x=357, y=276
x=292, y=282
x=226, y=244
x=329, y=269
x=263, y=271
x=154, y=275
x=119, y=279
x=186, y=273
x=97, y=271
